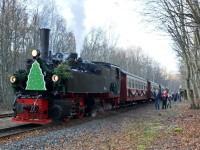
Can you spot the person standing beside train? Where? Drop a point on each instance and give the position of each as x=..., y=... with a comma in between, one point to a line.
x=158, y=98
x=169, y=101
x=164, y=99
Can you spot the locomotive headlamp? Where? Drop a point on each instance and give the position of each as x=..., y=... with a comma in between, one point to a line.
x=55, y=78
x=13, y=79
x=35, y=53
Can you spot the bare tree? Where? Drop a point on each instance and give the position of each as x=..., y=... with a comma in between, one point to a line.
x=19, y=34
x=97, y=47
x=61, y=38
x=13, y=26
x=180, y=19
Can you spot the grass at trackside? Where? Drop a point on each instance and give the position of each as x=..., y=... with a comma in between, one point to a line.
x=142, y=133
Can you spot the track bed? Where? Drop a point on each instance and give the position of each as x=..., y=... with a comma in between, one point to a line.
x=110, y=122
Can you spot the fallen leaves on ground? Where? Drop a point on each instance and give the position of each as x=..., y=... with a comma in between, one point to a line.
x=182, y=132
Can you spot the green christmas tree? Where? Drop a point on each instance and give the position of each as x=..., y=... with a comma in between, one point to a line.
x=35, y=78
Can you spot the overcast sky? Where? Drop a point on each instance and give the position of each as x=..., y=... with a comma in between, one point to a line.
x=124, y=20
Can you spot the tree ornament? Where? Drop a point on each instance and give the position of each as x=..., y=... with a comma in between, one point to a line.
x=35, y=78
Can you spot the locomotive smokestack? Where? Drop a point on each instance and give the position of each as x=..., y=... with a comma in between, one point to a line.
x=44, y=43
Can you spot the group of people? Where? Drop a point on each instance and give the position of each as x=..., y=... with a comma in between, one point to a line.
x=165, y=98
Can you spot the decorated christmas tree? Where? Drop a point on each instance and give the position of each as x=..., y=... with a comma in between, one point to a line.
x=35, y=78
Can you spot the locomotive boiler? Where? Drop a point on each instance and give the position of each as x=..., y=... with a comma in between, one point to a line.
x=61, y=85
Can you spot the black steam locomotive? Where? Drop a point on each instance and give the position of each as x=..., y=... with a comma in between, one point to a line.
x=54, y=87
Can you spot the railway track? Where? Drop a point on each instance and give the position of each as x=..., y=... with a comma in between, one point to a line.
x=6, y=115
x=6, y=132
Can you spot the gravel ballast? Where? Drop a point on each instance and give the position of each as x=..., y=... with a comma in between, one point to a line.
x=56, y=138
x=106, y=133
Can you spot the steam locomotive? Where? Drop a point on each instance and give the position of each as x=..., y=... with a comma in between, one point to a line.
x=54, y=87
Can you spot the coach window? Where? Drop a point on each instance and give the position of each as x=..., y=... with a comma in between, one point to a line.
x=129, y=84
x=128, y=80
x=133, y=83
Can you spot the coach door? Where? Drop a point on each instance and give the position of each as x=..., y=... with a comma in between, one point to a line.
x=148, y=89
x=123, y=87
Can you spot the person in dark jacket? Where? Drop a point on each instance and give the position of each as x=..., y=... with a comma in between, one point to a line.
x=169, y=101
x=158, y=98
x=164, y=99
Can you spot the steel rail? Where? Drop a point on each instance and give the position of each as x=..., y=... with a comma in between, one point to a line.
x=6, y=115
x=6, y=132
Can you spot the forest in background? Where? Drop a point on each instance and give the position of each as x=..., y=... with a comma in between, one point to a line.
x=180, y=19
x=19, y=35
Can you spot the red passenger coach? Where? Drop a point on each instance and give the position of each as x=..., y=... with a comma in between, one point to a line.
x=135, y=88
